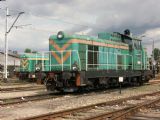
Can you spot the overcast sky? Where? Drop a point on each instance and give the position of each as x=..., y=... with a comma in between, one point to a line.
x=46, y=17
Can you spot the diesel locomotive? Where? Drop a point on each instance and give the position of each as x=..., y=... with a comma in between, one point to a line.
x=30, y=63
x=76, y=62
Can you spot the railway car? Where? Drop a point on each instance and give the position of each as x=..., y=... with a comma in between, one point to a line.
x=30, y=63
x=84, y=62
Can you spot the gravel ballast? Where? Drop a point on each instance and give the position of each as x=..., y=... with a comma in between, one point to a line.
x=69, y=101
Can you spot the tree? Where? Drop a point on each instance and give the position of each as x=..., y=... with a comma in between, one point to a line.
x=27, y=50
x=34, y=51
x=156, y=53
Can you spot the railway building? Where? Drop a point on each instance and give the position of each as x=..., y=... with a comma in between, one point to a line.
x=13, y=62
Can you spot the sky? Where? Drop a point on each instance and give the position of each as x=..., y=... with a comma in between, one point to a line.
x=43, y=18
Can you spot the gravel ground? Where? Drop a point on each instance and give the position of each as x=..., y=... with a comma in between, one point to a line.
x=21, y=85
x=13, y=81
x=66, y=102
x=5, y=95
x=22, y=93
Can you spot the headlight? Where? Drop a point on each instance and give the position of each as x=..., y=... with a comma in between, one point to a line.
x=37, y=68
x=60, y=35
x=138, y=62
x=75, y=66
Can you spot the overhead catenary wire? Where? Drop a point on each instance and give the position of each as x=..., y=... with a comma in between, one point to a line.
x=65, y=21
x=57, y=20
x=22, y=27
x=35, y=29
x=60, y=20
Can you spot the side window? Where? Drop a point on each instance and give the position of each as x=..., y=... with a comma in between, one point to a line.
x=120, y=61
x=139, y=57
x=137, y=44
x=92, y=56
x=140, y=45
x=129, y=42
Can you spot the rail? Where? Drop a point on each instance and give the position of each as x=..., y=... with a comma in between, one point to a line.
x=84, y=109
x=136, y=108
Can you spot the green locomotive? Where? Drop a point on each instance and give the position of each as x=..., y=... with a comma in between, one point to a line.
x=30, y=63
x=78, y=61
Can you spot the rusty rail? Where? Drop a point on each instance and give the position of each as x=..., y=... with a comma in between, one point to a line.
x=54, y=115
x=18, y=89
x=135, y=109
x=17, y=100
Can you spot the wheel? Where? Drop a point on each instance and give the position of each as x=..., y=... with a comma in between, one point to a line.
x=50, y=85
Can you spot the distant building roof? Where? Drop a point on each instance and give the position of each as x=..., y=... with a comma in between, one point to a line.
x=13, y=59
x=10, y=54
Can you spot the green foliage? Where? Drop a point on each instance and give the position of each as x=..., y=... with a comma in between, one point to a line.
x=34, y=52
x=156, y=53
x=27, y=50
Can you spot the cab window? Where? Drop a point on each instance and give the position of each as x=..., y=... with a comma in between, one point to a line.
x=137, y=44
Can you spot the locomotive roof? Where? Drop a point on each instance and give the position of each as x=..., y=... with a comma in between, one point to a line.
x=89, y=38
x=32, y=55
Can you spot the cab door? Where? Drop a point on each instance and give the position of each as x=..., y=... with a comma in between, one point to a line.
x=137, y=54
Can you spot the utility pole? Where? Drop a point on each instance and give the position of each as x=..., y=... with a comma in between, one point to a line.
x=6, y=41
x=153, y=49
x=6, y=46
x=153, y=60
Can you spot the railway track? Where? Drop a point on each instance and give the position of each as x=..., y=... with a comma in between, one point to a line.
x=149, y=113
x=19, y=100
x=154, y=82
x=130, y=112
x=107, y=110
x=18, y=89
x=135, y=111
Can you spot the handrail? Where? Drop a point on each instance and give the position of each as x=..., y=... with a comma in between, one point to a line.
x=62, y=65
x=108, y=64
